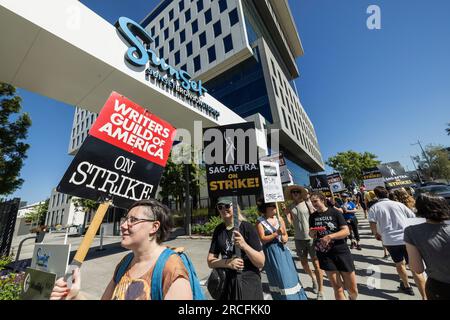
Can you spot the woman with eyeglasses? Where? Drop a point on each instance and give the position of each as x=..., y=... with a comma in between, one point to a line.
x=284, y=283
x=145, y=227
x=222, y=255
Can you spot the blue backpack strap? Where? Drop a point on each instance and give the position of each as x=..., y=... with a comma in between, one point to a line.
x=123, y=266
x=197, y=293
x=157, y=287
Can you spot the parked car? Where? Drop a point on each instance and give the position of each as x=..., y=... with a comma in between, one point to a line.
x=440, y=190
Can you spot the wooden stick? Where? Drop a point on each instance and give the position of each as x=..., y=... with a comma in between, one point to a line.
x=83, y=249
x=91, y=232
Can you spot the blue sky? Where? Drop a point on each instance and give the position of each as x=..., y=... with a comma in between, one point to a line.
x=364, y=90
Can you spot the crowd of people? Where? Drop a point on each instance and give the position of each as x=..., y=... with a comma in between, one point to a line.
x=322, y=228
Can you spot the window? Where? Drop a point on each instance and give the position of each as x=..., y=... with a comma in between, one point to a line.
x=182, y=36
x=181, y=5
x=275, y=87
x=170, y=15
x=161, y=23
x=228, y=43
x=222, y=5
x=187, y=15
x=197, y=65
x=189, y=49
x=184, y=67
x=171, y=45
x=208, y=16
x=177, y=57
x=157, y=42
x=199, y=5
x=234, y=18
x=161, y=52
x=194, y=27
x=166, y=34
x=202, y=38
x=153, y=31
x=176, y=25
x=217, y=29
x=212, y=54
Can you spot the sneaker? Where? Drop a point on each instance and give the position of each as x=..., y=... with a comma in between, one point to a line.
x=315, y=287
x=353, y=245
x=358, y=247
x=319, y=296
x=407, y=290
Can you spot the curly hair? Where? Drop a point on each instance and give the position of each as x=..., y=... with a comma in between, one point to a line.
x=403, y=197
x=432, y=207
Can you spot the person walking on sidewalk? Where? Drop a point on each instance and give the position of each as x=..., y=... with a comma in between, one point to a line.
x=145, y=227
x=350, y=216
x=370, y=199
x=298, y=216
x=430, y=242
x=284, y=283
x=248, y=265
x=329, y=229
x=390, y=218
x=360, y=200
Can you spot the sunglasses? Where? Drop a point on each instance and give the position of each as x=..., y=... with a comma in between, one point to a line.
x=295, y=192
x=271, y=206
x=224, y=206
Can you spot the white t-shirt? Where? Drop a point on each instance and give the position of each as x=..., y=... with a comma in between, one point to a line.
x=391, y=218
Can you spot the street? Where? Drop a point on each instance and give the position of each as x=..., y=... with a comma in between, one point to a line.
x=377, y=278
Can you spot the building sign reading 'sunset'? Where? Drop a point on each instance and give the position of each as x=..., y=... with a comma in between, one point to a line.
x=139, y=54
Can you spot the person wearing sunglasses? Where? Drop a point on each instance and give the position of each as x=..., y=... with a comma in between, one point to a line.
x=145, y=227
x=284, y=283
x=222, y=255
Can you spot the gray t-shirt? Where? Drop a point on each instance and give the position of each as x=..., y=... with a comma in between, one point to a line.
x=301, y=213
x=433, y=243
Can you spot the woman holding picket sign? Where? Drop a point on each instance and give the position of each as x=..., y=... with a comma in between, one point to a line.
x=151, y=271
x=242, y=278
x=284, y=283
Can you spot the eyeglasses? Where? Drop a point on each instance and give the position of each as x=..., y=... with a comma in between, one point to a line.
x=295, y=192
x=224, y=206
x=133, y=220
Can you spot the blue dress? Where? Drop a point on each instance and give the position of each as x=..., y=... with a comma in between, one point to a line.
x=284, y=283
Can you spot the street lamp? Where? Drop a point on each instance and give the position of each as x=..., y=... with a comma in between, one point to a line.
x=425, y=156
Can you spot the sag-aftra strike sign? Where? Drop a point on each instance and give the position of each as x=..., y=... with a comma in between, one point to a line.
x=123, y=157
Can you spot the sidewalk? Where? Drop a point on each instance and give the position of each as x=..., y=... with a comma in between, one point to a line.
x=371, y=269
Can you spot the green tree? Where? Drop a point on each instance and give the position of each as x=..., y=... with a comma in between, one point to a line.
x=437, y=166
x=350, y=164
x=13, y=129
x=173, y=182
x=85, y=205
x=37, y=215
x=448, y=129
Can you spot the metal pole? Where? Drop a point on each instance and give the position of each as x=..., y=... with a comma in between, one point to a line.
x=102, y=231
x=20, y=249
x=418, y=173
x=425, y=156
x=188, y=202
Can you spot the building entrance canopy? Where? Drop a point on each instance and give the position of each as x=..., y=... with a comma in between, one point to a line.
x=65, y=51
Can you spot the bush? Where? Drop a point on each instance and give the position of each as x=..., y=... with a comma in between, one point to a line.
x=207, y=229
x=10, y=283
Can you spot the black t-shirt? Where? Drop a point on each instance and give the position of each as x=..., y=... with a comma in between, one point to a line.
x=332, y=219
x=222, y=243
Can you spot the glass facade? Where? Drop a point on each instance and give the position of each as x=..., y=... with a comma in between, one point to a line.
x=243, y=89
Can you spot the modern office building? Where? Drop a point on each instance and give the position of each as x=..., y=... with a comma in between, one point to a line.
x=245, y=51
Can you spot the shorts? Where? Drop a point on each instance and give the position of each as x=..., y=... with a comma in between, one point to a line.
x=303, y=247
x=398, y=253
x=342, y=262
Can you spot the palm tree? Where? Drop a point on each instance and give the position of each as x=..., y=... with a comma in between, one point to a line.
x=448, y=129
